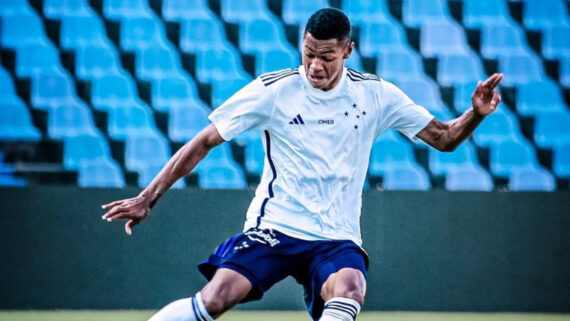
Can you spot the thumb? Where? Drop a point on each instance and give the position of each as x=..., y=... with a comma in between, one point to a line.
x=129, y=225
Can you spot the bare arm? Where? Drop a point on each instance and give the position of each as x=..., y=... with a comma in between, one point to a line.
x=186, y=158
x=446, y=136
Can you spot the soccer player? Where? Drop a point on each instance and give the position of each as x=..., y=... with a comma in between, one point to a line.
x=318, y=124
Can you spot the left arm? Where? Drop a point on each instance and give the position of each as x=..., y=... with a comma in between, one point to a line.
x=446, y=136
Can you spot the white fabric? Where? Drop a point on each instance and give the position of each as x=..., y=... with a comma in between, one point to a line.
x=321, y=163
x=188, y=309
x=340, y=309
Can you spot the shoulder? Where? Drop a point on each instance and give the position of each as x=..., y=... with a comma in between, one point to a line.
x=357, y=76
x=279, y=76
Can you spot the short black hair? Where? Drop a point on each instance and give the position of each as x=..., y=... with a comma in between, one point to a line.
x=328, y=23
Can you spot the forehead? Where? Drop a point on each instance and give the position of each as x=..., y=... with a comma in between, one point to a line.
x=312, y=44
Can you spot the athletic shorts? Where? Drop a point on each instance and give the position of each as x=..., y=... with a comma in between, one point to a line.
x=266, y=257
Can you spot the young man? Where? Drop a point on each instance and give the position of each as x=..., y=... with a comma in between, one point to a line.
x=319, y=122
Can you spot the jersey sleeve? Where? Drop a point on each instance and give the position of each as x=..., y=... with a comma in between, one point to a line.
x=250, y=108
x=401, y=113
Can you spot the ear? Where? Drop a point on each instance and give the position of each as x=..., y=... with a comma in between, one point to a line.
x=348, y=50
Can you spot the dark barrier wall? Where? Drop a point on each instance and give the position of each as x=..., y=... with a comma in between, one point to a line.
x=428, y=250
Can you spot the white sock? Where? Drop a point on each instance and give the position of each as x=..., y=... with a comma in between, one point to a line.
x=189, y=309
x=340, y=309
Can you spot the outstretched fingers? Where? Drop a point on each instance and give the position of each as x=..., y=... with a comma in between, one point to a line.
x=493, y=81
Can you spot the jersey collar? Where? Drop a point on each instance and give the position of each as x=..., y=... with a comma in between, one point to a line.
x=333, y=93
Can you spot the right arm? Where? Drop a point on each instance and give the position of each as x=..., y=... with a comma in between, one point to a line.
x=186, y=158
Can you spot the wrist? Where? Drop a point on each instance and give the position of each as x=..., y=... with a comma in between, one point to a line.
x=149, y=198
x=477, y=114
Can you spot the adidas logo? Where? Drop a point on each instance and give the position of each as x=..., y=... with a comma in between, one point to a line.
x=297, y=121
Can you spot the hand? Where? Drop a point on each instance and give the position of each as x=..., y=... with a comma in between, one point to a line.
x=485, y=99
x=134, y=210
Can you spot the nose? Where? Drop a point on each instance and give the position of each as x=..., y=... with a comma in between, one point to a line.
x=316, y=65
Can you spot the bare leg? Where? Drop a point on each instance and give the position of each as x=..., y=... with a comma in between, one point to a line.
x=343, y=293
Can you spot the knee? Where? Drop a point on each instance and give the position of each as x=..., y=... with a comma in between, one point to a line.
x=346, y=283
x=217, y=305
x=224, y=291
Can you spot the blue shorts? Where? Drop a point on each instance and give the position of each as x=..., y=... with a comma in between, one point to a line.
x=266, y=257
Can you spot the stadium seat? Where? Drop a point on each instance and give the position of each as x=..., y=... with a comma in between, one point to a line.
x=22, y=30
x=361, y=12
x=57, y=9
x=532, y=179
x=564, y=71
x=498, y=127
x=424, y=91
x=94, y=62
x=52, y=90
x=254, y=156
x=298, y=12
x=113, y=90
x=468, y=178
x=104, y=174
x=462, y=95
x=386, y=153
x=540, y=14
x=142, y=32
x=221, y=154
x=134, y=119
x=459, y=68
x=12, y=181
x=406, y=176
x=555, y=42
x=400, y=65
x=16, y=123
x=81, y=31
x=552, y=129
x=237, y=11
x=442, y=37
x=539, y=97
x=377, y=38
x=202, y=34
x=462, y=157
x=84, y=149
x=224, y=89
x=219, y=64
x=354, y=61
x=185, y=123
x=178, y=11
x=521, y=69
x=71, y=119
x=277, y=59
x=561, y=160
x=417, y=12
x=15, y=8
x=147, y=174
x=222, y=176
x=126, y=9
x=261, y=34
x=7, y=89
x=37, y=59
x=499, y=40
x=174, y=91
x=157, y=62
x=479, y=13
x=508, y=155
x=142, y=151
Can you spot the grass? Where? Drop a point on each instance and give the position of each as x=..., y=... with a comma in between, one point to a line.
x=132, y=315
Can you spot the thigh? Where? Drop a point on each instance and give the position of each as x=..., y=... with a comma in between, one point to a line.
x=224, y=291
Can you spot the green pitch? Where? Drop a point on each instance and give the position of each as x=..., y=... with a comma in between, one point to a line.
x=276, y=316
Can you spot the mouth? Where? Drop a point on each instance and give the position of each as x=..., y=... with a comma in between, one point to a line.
x=316, y=78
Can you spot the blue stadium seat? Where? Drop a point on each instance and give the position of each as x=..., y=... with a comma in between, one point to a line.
x=406, y=176
x=202, y=34
x=126, y=9
x=81, y=31
x=555, y=42
x=22, y=30
x=552, y=129
x=498, y=127
x=354, y=61
x=254, y=156
x=7, y=89
x=52, y=90
x=259, y=35
x=462, y=95
x=15, y=8
x=219, y=64
x=142, y=151
x=276, y=59
x=442, y=37
x=361, y=12
x=468, y=178
x=174, y=91
x=222, y=176
x=508, y=155
x=36, y=59
x=521, y=69
x=156, y=62
x=12, y=181
x=479, y=13
x=424, y=91
x=400, y=65
x=84, y=149
x=377, y=38
x=532, y=179
x=224, y=89
x=461, y=68
x=134, y=119
x=147, y=174
x=564, y=71
x=178, y=11
x=185, y=123
x=561, y=160
x=94, y=62
x=298, y=12
x=57, y=9
x=501, y=40
x=16, y=123
x=539, y=14
x=71, y=119
x=237, y=11
x=142, y=32
x=221, y=154
x=417, y=12
x=104, y=174
x=113, y=90
x=538, y=97
x=386, y=153
x=464, y=156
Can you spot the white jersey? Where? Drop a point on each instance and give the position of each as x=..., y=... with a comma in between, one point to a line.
x=317, y=147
